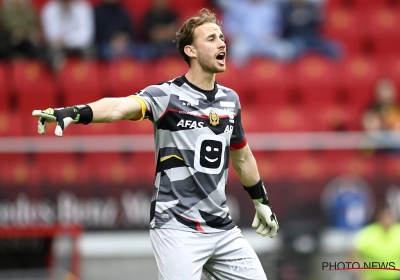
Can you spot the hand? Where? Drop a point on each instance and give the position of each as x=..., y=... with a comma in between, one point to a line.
x=63, y=116
x=265, y=220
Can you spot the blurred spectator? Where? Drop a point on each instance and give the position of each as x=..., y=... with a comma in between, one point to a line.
x=379, y=242
x=254, y=28
x=114, y=30
x=20, y=30
x=160, y=25
x=383, y=116
x=348, y=202
x=303, y=19
x=68, y=27
x=386, y=105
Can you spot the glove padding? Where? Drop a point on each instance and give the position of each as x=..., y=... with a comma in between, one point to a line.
x=63, y=116
x=265, y=220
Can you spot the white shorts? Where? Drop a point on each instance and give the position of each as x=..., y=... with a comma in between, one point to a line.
x=183, y=255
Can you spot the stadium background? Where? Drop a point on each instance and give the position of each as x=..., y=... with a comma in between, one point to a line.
x=303, y=121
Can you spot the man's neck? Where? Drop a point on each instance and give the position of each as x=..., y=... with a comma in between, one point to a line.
x=201, y=79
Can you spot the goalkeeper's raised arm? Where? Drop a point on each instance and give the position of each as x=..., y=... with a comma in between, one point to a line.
x=102, y=111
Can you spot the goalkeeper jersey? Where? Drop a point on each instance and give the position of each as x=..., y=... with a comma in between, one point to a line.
x=194, y=130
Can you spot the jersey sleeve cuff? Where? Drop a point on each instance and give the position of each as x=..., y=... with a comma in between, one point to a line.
x=239, y=146
x=139, y=116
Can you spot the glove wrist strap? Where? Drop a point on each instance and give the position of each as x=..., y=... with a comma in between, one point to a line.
x=257, y=192
x=85, y=114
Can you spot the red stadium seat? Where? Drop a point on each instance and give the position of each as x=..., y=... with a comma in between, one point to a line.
x=144, y=165
x=232, y=78
x=39, y=4
x=361, y=166
x=371, y=5
x=110, y=167
x=316, y=78
x=63, y=168
x=351, y=162
x=126, y=77
x=390, y=68
x=80, y=82
x=274, y=119
x=297, y=165
x=265, y=164
x=358, y=76
x=186, y=9
x=391, y=167
x=267, y=82
x=334, y=117
x=11, y=124
x=131, y=127
x=34, y=86
x=137, y=9
x=347, y=26
x=4, y=88
x=15, y=169
x=167, y=68
x=131, y=167
x=99, y=129
x=384, y=30
x=336, y=4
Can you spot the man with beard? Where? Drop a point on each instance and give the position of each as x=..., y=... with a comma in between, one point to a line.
x=190, y=226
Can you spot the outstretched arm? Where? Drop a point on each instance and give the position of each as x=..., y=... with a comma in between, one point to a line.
x=113, y=109
x=245, y=165
x=102, y=111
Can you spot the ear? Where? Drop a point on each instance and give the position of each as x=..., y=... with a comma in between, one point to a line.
x=190, y=51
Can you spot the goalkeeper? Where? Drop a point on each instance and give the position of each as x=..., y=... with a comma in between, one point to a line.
x=197, y=124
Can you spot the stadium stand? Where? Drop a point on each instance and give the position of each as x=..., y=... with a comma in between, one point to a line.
x=311, y=94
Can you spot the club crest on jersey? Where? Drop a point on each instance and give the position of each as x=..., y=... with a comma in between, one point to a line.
x=214, y=118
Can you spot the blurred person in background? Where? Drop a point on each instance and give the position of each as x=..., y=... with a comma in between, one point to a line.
x=302, y=21
x=379, y=242
x=255, y=28
x=114, y=30
x=385, y=105
x=20, y=30
x=68, y=27
x=383, y=116
x=160, y=25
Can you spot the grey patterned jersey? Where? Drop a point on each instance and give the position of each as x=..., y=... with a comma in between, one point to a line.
x=194, y=131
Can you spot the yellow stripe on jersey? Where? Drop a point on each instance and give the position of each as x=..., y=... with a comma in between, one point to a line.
x=141, y=115
x=171, y=156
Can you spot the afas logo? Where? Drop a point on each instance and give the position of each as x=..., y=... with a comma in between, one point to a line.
x=190, y=124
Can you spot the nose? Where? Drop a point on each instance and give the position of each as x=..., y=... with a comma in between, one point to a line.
x=221, y=44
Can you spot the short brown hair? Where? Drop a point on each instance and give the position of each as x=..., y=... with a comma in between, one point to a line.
x=184, y=36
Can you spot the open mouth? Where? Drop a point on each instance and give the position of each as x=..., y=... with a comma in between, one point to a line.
x=221, y=57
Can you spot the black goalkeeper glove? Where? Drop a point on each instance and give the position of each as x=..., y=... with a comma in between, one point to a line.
x=265, y=221
x=63, y=117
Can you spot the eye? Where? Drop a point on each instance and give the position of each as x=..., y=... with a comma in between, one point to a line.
x=211, y=39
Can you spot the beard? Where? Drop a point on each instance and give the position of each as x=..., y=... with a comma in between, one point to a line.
x=209, y=65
